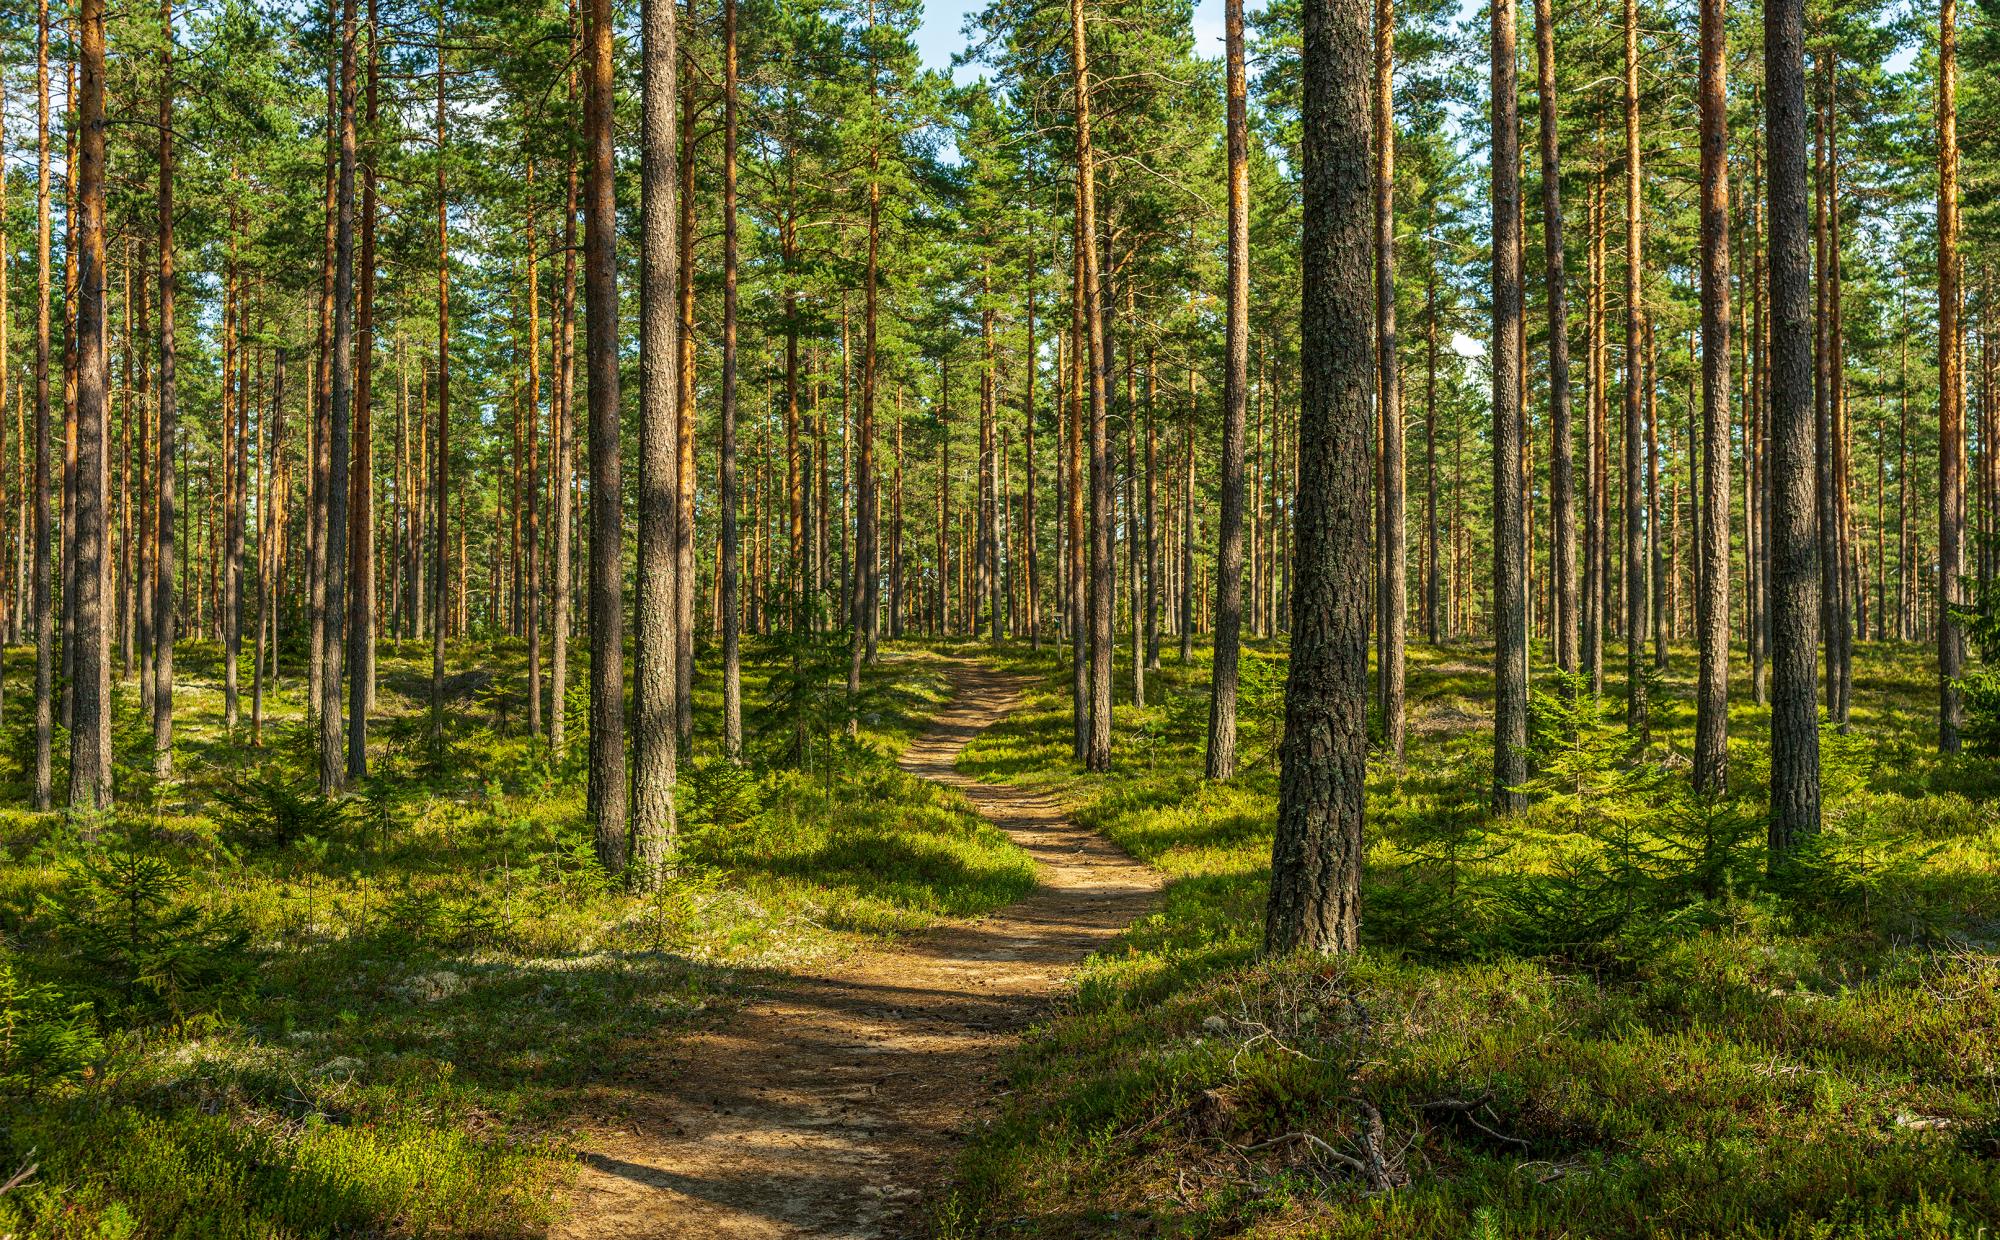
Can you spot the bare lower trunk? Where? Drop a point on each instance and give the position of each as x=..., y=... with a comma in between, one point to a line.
x=1235, y=395
x=1316, y=854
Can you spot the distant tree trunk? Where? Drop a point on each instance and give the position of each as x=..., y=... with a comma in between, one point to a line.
x=1596, y=590
x=332, y=738
x=1395, y=530
x=655, y=729
x=1655, y=520
x=271, y=564
x=1316, y=854
x=165, y=557
x=90, y=737
x=1079, y=629
x=1637, y=716
x=1152, y=514
x=1562, y=437
x=1795, y=792
x=861, y=601
x=1235, y=397
x=1432, y=584
x=607, y=789
x=562, y=417
x=985, y=588
x=361, y=532
x=442, y=478
x=1097, y=754
x=1711, y=723
x=234, y=424
x=732, y=604
x=1951, y=394
x=684, y=424
x=533, y=614
x=45, y=634
x=1034, y=582
x=1510, y=598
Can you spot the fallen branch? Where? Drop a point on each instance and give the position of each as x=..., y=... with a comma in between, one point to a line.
x=1467, y=1109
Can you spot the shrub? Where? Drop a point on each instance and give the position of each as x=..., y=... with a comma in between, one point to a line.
x=147, y=950
x=45, y=1040
x=267, y=810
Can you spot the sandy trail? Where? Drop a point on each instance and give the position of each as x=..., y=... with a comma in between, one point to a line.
x=831, y=1104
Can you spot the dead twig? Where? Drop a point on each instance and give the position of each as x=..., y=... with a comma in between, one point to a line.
x=1467, y=1110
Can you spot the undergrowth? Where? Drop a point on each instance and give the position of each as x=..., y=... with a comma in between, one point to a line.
x=1595, y=1018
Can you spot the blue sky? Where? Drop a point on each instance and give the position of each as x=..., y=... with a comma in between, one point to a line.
x=944, y=21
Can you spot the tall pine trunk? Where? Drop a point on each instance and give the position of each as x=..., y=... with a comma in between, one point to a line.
x=1510, y=596
x=607, y=786
x=1711, y=722
x=1221, y=763
x=1395, y=532
x=655, y=734
x=1316, y=854
x=1951, y=394
x=90, y=737
x=1794, y=585
x=1562, y=437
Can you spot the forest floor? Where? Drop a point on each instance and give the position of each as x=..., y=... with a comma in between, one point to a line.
x=833, y=1101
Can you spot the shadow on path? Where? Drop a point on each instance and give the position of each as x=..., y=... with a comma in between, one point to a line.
x=831, y=1104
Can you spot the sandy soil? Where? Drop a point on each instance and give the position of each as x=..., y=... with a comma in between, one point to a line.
x=832, y=1103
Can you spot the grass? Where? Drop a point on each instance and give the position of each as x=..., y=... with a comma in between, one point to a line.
x=1817, y=1061
x=429, y=983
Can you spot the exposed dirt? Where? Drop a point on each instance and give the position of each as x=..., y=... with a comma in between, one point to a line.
x=831, y=1104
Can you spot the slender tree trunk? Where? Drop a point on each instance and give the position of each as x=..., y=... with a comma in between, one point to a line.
x=684, y=422
x=1028, y=513
x=332, y=738
x=441, y=477
x=563, y=432
x=45, y=636
x=1510, y=599
x=1395, y=532
x=1562, y=437
x=1316, y=854
x=655, y=727
x=1637, y=716
x=1951, y=393
x=1711, y=723
x=164, y=558
x=607, y=788
x=732, y=606
x=1795, y=792
x=1235, y=396
x=361, y=531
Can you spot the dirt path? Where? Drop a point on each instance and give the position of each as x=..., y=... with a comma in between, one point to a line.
x=832, y=1102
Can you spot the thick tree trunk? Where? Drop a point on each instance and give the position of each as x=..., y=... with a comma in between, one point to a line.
x=1316, y=854
x=90, y=736
x=607, y=786
x=655, y=730
x=1711, y=723
x=1510, y=598
x=1221, y=763
x=1795, y=791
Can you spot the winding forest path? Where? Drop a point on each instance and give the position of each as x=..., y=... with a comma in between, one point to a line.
x=832, y=1102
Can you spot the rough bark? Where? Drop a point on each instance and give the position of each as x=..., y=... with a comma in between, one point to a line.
x=1951, y=394
x=607, y=786
x=1711, y=723
x=90, y=736
x=1221, y=757
x=1395, y=530
x=1510, y=597
x=655, y=727
x=1794, y=584
x=1316, y=855
x=1562, y=436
